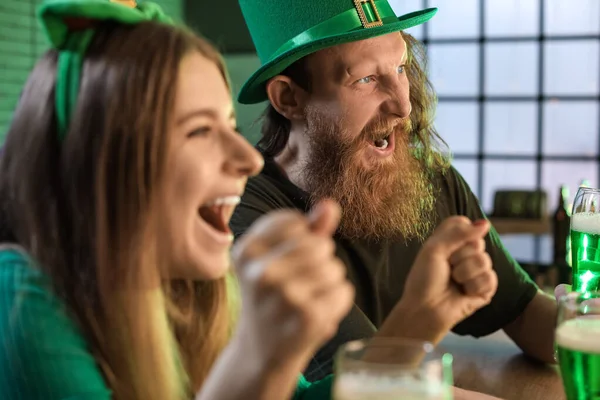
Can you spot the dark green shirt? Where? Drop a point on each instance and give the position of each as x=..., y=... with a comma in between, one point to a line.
x=379, y=269
x=43, y=354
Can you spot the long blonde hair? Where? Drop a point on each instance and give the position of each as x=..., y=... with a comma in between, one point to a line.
x=92, y=208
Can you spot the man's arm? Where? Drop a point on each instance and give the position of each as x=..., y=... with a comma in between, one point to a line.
x=525, y=313
x=533, y=330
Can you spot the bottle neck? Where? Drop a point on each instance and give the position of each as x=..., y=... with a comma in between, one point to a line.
x=563, y=201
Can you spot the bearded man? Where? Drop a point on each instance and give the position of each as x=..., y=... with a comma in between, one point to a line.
x=350, y=117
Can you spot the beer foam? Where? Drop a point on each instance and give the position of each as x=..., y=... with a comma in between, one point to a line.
x=586, y=222
x=580, y=334
x=357, y=386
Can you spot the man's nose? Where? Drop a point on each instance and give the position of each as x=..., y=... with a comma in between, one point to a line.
x=398, y=99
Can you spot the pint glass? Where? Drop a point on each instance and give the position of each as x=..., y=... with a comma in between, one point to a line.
x=390, y=369
x=585, y=240
x=578, y=343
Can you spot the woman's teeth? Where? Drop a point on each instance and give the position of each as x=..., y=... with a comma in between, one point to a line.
x=224, y=201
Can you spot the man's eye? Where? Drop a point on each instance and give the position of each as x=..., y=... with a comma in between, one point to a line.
x=366, y=79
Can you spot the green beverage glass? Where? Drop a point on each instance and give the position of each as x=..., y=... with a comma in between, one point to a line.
x=585, y=240
x=578, y=343
x=391, y=369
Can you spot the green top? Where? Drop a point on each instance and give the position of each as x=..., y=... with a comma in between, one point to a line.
x=43, y=355
x=379, y=269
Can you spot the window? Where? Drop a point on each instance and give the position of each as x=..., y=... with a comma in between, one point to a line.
x=519, y=94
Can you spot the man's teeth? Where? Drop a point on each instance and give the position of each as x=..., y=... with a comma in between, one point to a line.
x=381, y=144
x=224, y=201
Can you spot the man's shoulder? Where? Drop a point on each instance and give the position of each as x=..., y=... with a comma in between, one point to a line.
x=448, y=177
x=454, y=195
x=267, y=192
x=264, y=193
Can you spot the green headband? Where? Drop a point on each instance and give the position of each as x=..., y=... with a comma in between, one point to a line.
x=69, y=25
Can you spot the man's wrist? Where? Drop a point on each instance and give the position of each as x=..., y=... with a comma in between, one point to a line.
x=412, y=321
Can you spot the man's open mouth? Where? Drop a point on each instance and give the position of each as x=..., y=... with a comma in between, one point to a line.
x=382, y=143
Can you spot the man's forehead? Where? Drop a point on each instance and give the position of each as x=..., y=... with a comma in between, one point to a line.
x=387, y=47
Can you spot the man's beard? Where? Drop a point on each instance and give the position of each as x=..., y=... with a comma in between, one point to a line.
x=391, y=198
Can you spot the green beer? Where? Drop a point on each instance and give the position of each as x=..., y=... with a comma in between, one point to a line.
x=578, y=342
x=585, y=251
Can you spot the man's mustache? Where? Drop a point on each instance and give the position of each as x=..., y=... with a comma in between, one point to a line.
x=381, y=128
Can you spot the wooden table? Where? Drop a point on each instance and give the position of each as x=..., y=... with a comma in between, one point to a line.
x=495, y=365
x=506, y=226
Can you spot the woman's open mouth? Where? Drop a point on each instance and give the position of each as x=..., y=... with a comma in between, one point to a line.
x=216, y=215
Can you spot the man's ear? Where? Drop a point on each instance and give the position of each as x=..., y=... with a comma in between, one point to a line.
x=287, y=97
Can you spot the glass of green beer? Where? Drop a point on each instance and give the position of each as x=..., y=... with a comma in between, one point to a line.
x=578, y=343
x=585, y=240
x=390, y=369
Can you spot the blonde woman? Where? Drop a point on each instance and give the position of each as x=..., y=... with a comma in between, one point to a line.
x=121, y=169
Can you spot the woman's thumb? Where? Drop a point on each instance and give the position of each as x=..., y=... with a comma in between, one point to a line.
x=324, y=217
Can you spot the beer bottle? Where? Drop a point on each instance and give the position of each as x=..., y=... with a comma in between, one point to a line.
x=561, y=224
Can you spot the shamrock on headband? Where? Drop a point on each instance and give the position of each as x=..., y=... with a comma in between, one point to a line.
x=69, y=26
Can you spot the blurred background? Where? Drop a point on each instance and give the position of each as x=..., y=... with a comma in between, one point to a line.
x=518, y=84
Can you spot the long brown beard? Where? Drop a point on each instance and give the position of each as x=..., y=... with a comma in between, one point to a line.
x=391, y=198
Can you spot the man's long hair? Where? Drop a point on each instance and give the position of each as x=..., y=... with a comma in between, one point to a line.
x=423, y=136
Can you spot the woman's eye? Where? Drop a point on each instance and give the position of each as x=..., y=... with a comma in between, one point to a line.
x=199, y=132
x=401, y=69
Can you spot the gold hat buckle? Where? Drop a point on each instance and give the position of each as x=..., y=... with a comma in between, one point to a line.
x=358, y=4
x=126, y=3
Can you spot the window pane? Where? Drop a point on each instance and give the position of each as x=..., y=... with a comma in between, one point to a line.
x=455, y=19
x=511, y=68
x=557, y=173
x=457, y=125
x=512, y=17
x=468, y=170
x=454, y=69
x=402, y=7
x=573, y=16
x=416, y=32
x=510, y=128
x=521, y=247
x=546, y=249
x=571, y=67
x=505, y=175
x=240, y=67
x=571, y=127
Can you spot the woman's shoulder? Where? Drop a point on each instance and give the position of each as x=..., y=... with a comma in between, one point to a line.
x=18, y=269
x=42, y=352
x=27, y=300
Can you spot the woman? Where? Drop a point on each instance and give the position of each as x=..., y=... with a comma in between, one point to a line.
x=121, y=171
x=116, y=246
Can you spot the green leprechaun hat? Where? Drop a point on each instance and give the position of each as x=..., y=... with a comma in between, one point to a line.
x=70, y=26
x=284, y=31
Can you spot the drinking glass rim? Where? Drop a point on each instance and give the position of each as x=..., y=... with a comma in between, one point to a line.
x=584, y=189
x=587, y=189
x=359, y=344
x=349, y=350
x=573, y=300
